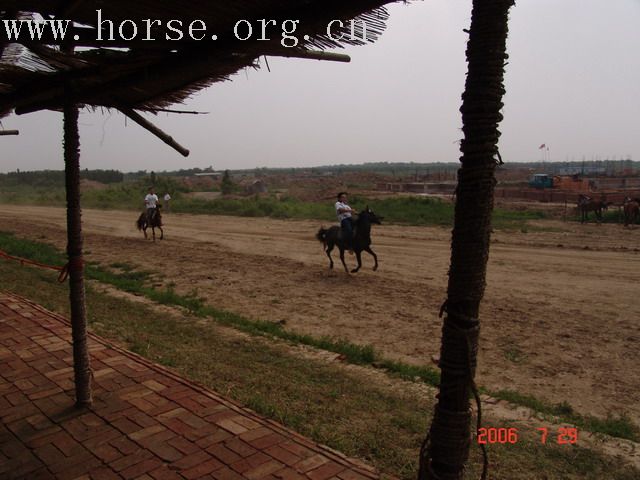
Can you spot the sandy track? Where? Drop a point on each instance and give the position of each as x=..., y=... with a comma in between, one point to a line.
x=560, y=319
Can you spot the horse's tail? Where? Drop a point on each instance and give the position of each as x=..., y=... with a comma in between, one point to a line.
x=140, y=222
x=322, y=236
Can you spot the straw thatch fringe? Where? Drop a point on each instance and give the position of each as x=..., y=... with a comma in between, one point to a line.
x=155, y=75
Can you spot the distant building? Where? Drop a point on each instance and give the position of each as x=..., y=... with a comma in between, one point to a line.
x=585, y=170
x=209, y=174
x=417, y=187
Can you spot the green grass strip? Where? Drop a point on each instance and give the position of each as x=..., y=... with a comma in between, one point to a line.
x=408, y=210
x=621, y=427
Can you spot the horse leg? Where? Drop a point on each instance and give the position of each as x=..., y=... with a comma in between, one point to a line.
x=328, y=252
x=153, y=232
x=161, y=233
x=342, y=258
x=375, y=257
x=144, y=230
x=359, y=259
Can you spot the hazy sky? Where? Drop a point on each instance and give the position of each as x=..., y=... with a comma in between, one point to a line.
x=573, y=83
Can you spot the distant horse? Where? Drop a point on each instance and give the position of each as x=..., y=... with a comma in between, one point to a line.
x=631, y=210
x=156, y=222
x=360, y=242
x=588, y=204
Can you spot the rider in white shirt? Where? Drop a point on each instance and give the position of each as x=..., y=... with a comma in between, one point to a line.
x=344, y=212
x=150, y=202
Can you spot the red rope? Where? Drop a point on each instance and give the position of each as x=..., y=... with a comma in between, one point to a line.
x=64, y=271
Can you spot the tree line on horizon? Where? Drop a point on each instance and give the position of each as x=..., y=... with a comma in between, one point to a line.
x=46, y=178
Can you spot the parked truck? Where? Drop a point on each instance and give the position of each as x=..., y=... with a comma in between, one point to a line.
x=541, y=181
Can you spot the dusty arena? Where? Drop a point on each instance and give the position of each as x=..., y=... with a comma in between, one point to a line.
x=560, y=318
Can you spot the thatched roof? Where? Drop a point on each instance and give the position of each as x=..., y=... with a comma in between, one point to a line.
x=152, y=75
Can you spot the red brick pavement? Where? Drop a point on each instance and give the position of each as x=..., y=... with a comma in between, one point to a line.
x=146, y=423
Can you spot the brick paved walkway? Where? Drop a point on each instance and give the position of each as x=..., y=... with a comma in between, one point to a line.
x=146, y=422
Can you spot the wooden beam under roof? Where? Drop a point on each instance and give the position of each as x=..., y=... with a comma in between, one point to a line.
x=147, y=125
x=312, y=55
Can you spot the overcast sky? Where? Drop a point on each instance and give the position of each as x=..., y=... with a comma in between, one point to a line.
x=573, y=83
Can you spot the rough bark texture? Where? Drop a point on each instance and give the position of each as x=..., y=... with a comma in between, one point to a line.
x=81, y=365
x=447, y=446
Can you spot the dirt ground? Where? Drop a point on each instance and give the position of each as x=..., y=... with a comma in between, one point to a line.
x=560, y=319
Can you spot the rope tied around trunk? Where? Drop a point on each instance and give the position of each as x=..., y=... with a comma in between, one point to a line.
x=450, y=425
x=75, y=264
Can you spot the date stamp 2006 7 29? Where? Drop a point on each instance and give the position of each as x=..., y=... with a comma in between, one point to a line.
x=563, y=436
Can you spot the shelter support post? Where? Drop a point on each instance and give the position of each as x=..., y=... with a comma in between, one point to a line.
x=9, y=132
x=81, y=363
x=446, y=448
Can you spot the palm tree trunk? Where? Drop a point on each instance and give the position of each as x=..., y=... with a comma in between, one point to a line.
x=446, y=448
x=81, y=365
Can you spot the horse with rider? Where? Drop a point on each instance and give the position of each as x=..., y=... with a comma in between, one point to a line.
x=151, y=217
x=353, y=234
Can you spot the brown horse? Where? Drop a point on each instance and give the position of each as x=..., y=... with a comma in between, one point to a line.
x=631, y=210
x=588, y=204
x=156, y=222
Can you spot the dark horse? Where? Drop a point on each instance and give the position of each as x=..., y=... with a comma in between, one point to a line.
x=361, y=239
x=156, y=222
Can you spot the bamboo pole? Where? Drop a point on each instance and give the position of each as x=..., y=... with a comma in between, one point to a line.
x=312, y=55
x=81, y=362
x=146, y=124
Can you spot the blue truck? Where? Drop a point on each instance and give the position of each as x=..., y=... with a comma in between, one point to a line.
x=541, y=180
